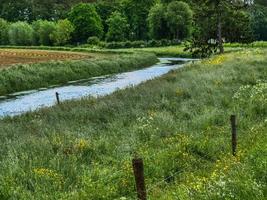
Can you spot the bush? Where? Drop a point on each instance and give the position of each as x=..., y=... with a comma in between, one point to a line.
x=20, y=33
x=62, y=33
x=138, y=44
x=93, y=40
x=3, y=32
x=153, y=43
x=141, y=44
x=43, y=30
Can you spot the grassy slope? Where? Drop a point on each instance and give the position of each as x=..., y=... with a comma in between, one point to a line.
x=179, y=124
x=32, y=76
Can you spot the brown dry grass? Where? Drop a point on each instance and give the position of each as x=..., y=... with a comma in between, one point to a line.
x=19, y=56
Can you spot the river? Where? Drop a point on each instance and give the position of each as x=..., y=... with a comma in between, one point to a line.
x=22, y=102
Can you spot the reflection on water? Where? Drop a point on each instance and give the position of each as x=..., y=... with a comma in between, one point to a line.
x=22, y=102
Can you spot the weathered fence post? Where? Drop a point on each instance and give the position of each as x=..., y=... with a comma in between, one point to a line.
x=57, y=96
x=138, y=168
x=234, y=134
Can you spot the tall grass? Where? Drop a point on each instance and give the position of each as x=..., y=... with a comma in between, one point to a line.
x=32, y=76
x=178, y=123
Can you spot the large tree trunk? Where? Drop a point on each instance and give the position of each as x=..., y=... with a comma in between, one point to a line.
x=220, y=40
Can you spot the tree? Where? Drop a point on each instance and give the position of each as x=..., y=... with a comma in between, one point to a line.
x=179, y=17
x=117, y=27
x=157, y=22
x=16, y=10
x=42, y=32
x=86, y=22
x=105, y=9
x=62, y=33
x=20, y=33
x=211, y=24
x=259, y=22
x=136, y=12
x=3, y=32
x=236, y=27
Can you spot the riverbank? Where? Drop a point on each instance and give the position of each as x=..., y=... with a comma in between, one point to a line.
x=22, y=77
x=179, y=125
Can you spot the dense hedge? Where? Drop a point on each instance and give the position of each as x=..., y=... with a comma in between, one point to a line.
x=133, y=44
x=32, y=76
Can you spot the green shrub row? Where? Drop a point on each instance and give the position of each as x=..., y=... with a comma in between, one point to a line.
x=254, y=44
x=32, y=76
x=93, y=41
x=40, y=32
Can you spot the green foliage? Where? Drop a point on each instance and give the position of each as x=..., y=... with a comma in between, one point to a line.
x=157, y=22
x=118, y=27
x=20, y=33
x=214, y=17
x=86, y=21
x=137, y=12
x=3, y=32
x=93, y=40
x=62, y=33
x=141, y=44
x=32, y=10
x=43, y=30
x=237, y=27
x=259, y=22
x=179, y=17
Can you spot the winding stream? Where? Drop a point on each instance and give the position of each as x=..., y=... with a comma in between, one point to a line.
x=18, y=103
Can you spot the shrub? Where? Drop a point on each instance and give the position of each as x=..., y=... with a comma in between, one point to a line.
x=43, y=30
x=62, y=33
x=93, y=40
x=153, y=43
x=138, y=44
x=141, y=44
x=20, y=33
x=3, y=31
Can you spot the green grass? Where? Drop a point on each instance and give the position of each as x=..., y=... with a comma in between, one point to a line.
x=179, y=125
x=32, y=76
x=171, y=51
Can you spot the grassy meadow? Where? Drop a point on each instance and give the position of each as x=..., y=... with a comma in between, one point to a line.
x=179, y=124
x=19, y=77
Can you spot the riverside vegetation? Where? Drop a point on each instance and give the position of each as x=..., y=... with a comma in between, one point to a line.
x=179, y=124
x=31, y=76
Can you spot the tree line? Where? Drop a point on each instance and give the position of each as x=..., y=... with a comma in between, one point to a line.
x=199, y=21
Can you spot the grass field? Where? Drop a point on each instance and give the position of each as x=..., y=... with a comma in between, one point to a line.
x=179, y=125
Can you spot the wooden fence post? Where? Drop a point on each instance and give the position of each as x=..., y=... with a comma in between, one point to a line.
x=138, y=168
x=234, y=134
x=57, y=96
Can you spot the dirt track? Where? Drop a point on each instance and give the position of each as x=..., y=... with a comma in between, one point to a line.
x=14, y=56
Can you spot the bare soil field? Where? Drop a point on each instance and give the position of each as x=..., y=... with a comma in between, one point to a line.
x=20, y=56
